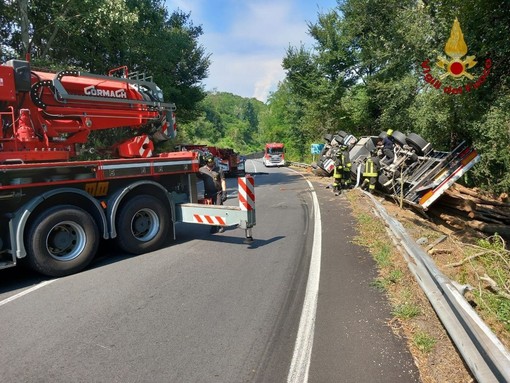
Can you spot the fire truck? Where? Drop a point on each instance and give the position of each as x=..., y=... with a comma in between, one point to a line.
x=55, y=208
x=227, y=159
x=274, y=154
x=230, y=161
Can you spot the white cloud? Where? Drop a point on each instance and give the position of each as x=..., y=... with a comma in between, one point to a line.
x=247, y=40
x=245, y=75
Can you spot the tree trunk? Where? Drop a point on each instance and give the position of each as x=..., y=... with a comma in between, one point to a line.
x=24, y=26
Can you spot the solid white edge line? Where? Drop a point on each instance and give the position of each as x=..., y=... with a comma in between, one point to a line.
x=27, y=291
x=300, y=365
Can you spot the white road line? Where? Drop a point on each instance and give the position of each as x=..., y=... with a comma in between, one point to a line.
x=299, y=367
x=27, y=291
x=254, y=166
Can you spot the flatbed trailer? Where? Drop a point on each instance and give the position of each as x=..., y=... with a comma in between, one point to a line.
x=54, y=214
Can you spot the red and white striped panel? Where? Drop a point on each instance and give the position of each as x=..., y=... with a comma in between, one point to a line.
x=139, y=146
x=169, y=128
x=246, y=193
x=208, y=219
x=145, y=146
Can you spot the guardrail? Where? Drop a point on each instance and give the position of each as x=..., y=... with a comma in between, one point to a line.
x=299, y=164
x=483, y=352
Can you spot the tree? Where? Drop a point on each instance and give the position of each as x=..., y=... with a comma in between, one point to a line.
x=98, y=35
x=228, y=121
x=364, y=76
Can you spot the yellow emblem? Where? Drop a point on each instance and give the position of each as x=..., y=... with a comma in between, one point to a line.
x=456, y=48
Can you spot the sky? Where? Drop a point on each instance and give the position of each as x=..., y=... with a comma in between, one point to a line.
x=248, y=39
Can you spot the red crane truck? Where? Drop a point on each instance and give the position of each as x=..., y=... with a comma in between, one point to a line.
x=55, y=209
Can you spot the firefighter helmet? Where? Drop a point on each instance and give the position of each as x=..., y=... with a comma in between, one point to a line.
x=208, y=158
x=389, y=132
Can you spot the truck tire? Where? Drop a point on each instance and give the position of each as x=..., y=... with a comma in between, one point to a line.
x=143, y=225
x=420, y=146
x=399, y=137
x=62, y=241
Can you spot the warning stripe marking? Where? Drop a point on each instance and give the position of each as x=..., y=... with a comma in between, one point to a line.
x=246, y=193
x=209, y=219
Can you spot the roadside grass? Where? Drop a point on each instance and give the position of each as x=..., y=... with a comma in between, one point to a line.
x=486, y=268
x=413, y=316
x=374, y=237
x=406, y=310
x=497, y=266
x=481, y=263
x=424, y=342
x=394, y=276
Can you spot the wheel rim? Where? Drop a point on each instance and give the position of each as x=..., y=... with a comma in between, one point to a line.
x=66, y=241
x=145, y=225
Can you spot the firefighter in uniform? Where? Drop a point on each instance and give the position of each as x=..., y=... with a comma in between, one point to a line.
x=370, y=172
x=215, y=186
x=342, y=171
x=388, y=146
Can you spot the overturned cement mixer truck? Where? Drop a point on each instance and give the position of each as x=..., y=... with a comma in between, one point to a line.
x=417, y=173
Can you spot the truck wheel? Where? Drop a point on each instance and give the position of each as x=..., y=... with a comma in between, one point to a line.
x=421, y=146
x=385, y=183
x=143, y=225
x=399, y=137
x=62, y=241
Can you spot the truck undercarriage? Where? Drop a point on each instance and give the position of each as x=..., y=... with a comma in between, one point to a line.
x=417, y=174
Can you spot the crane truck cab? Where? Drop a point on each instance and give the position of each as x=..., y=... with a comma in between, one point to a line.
x=274, y=154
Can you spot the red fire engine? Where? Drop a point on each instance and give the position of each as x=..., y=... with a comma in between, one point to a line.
x=274, y=154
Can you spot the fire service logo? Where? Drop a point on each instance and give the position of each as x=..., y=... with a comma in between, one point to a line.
x=457, y=66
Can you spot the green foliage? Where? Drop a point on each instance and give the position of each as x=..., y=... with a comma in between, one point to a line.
x=98, y=35
x=424, y=342
x=406, y=310
x=493, y=142
x=491, y=256
x=226, y=120
x=394, y=276
x=383, y=256
x=364, y=76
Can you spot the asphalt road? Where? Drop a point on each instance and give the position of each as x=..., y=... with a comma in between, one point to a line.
x=209, y=308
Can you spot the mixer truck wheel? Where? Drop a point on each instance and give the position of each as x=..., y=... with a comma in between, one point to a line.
x=61, y=241
x=399, y=137
x=420, y=146
x=143, y=225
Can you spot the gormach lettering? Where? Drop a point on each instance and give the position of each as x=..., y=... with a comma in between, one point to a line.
x=93, y=91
